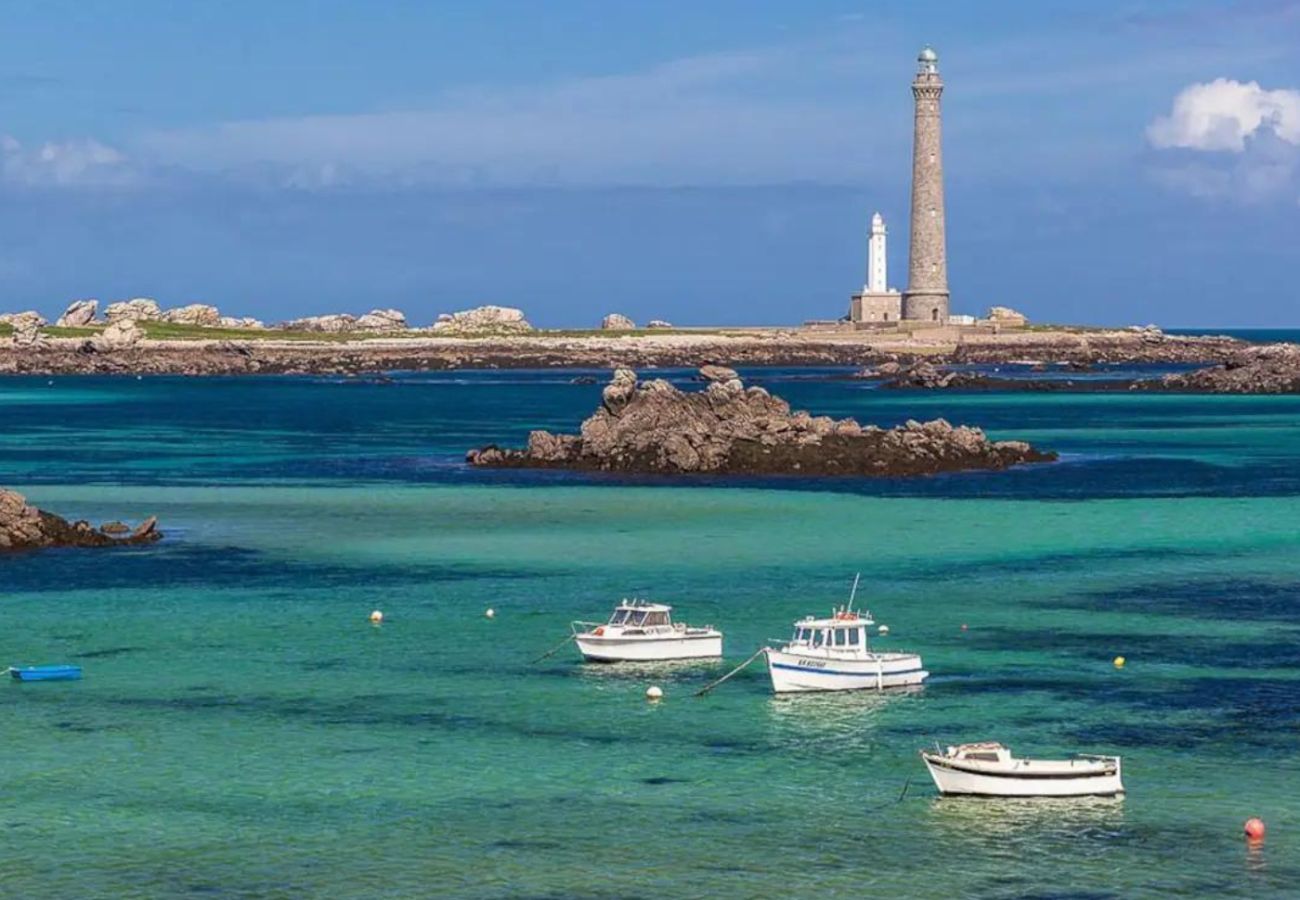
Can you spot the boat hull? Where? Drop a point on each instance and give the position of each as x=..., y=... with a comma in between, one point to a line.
x=952, y=779
x=45, y=673
x=795, y=673
x=638, y=649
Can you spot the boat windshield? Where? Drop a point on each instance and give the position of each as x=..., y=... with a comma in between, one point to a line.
x=619, y=617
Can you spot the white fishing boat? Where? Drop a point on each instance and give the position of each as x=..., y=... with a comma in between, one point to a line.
x=645, y=632
x=988, y=769
x=834, y=654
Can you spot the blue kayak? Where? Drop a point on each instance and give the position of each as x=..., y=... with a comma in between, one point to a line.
x=45, y=673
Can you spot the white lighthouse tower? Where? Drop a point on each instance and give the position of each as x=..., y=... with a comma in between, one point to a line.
x=876, y=303
x=877, y=268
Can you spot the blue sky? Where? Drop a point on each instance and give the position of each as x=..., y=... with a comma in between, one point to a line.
x=704, y=162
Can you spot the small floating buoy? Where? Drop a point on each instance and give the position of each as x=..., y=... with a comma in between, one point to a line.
x=654, y=692
x=963, y=626
x=376, y=617
x=884, y=630
x=1119, y=662
x=490, y=613
x=1254, y=828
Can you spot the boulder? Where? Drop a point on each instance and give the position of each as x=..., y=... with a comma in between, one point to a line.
x=79, y=314
x=652, y=427
x=120, y=335
x=195, y=314
x=382, y=320
x=718, y=373
x=24, y=527
x=617, y=322
x=26, y=326
x=141, y=309
x=1005, y=315
x=484, y=319
x=244, y=322
x=330, y=324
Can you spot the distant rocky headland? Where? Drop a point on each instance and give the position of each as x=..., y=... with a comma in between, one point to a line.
x=653, y=427
x=24, y=527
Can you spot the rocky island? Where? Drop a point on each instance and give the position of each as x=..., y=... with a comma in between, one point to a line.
x=24, y=527
x=653, y=427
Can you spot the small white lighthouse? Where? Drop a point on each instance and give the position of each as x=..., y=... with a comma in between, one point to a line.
x=877, y=268
x=876, y=303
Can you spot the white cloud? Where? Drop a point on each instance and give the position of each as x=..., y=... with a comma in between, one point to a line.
x=71, y=163
x=1230, y=140
x=1223, y=114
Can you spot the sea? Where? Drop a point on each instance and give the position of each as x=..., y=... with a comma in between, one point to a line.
x=243, y=730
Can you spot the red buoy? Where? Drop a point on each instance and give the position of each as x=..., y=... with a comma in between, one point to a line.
x=1254, y=829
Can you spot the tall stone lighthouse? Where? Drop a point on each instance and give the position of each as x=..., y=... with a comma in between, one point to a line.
x=926, y=297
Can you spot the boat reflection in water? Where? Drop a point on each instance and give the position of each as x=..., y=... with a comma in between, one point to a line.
x=836, y=721
x=1007, y=826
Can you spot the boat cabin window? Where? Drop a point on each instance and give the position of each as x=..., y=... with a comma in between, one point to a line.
x=841, y=637
x=619, y=617
x=656, y=618
x=855, y=636
x=802, y=635
x=819, y=637
x=635, y=618
x=983, y=757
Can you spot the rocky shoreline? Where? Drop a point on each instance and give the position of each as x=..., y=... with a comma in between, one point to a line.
x=24, y=527
x=127, y=352
x=653, y=427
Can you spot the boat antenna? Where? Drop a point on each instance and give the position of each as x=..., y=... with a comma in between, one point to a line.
x=853, y=593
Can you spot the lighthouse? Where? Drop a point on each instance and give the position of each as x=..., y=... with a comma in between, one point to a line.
x=926, y=297
x=876, y=266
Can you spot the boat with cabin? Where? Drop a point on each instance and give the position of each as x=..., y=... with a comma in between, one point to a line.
x=834, y=654
x=989, y=769
x=639, y=631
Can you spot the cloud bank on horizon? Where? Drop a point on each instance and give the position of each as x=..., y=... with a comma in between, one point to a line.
x=1069, y=137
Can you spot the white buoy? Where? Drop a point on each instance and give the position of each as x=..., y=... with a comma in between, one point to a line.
x=491, y=613
x=376, y=617
x=884, y=629
x=654, y=692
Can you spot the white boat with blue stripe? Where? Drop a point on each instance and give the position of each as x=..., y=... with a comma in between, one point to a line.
x=834, y=654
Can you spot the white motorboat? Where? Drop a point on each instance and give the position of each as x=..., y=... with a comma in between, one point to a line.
x=645, y=632
x=988, y=769
x=834, y=654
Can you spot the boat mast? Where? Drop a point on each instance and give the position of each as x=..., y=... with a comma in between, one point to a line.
x=853, y=593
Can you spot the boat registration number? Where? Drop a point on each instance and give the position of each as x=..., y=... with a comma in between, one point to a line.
x=812, y=663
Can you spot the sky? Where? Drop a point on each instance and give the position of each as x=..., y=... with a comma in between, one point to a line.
x=702, y=162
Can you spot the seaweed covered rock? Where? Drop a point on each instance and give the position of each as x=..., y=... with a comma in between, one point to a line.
x=653, y=427
x=1267, y=369
x=24, y=527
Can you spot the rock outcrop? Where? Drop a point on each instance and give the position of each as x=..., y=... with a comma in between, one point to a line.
x=617, y=322
x=120, y=335
x=141, y=309
x=483, y=319
x=1265, y=369
x=27, y=328
x=79, y=314
x=200, y=314
x=24, y=527
x=240, y=322
x=382, y=320
x=330, y=324
x=653, y=427
x=659, y=324
x=1005, y=315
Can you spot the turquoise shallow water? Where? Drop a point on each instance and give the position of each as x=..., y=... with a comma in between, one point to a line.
x=243, y=731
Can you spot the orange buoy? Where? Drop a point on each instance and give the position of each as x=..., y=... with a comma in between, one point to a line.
x=1254, y=828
